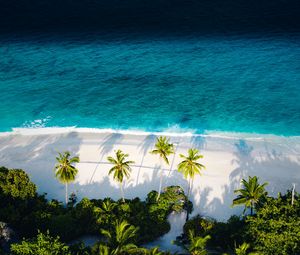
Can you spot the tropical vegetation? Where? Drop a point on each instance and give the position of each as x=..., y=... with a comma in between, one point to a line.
x=31, y=224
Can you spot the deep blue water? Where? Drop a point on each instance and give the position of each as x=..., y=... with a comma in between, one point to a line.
x=244, y=83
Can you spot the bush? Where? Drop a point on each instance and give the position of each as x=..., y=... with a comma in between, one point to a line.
x=43, y=244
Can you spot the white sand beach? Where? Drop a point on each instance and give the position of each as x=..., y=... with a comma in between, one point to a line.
x=228, y=158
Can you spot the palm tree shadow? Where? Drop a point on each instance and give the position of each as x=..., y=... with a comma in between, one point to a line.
x=199, y=198
x=268, y=164
x=106, y=146
x=146, y=144
x=36, y=155
x=198, y=142
x=243, y=148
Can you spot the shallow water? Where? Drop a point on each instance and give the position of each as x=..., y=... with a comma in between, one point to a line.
x=244, y=83
x=165, y=243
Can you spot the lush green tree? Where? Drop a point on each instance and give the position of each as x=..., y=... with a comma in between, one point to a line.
x=190, y=166
x=43, y=244
x=65, y=172
x=250, y=194
x=120, y=169
x=121, y=240
x=17, y=196
x=275, y=229
x=15, y=184
x=163, y=148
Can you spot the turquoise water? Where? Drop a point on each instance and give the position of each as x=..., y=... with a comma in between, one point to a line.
x=243, y=83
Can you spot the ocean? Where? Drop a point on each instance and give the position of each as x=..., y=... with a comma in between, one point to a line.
x=184, y=80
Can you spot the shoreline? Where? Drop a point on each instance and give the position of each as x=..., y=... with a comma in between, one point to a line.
x=275, y=159
x=138, y=132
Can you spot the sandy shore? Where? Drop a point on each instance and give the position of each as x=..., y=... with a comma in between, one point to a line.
x=228, y=158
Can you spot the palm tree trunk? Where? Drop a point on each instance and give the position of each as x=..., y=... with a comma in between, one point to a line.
x=66, y=194
x=160, y=181
x=251, y=208
x=189, y=189
x=188, y=195
x=122, y=192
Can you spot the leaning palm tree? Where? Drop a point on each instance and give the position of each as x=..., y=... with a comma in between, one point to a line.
x=120, y=239
x=190, y=166
x=65, y=172
x=250, y=194
x=120, y=169
x=162, y=148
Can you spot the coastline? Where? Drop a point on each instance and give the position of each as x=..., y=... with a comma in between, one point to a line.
x=173, y=131
x=228, y=158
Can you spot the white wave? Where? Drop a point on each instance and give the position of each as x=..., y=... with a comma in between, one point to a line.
x=170, y=132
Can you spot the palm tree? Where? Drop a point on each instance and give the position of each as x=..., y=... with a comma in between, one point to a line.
x=154, y=251
x=65, y=172
x=119, y=241
x=120, y=169
x=197, y=244
x=104, y=213
x=250, y=194
x=162, y=148
x=190, y=166
x=242, y=249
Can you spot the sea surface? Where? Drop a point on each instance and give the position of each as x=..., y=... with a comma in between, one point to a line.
x=197, y=82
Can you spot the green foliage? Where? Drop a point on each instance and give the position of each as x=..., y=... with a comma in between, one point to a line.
x=275, y=229
x=251, y=194
x=43, y=244
x=196, y=245
x=120, y=240
x=17, y=195
x=120, y=168
x=190, y=166
x=15, y=184
x=224, y=235
x=242, y=249
x=65, y=172
x=163, y=148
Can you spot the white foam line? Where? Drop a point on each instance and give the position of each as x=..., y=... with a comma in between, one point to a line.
x=207, y=134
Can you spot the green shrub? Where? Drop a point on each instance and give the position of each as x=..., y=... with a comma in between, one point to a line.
x=43, y=244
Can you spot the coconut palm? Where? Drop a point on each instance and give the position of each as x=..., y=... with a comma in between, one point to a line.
x=242, y=249
x=105, y=212
x=120, y=169
x=197, y=244
x=65, y=172
x=162, y=148
x=190, y=166
x=119, y=240
x=154, y=251
x=250, y=194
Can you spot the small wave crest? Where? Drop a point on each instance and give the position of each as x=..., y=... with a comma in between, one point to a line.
x=175, y=131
